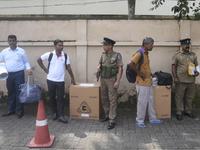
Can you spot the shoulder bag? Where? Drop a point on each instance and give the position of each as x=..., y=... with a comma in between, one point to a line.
x=29, y=93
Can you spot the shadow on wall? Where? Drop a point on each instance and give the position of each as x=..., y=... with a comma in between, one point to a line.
x=127, y=100
x=196, y=100
x=44, y=97
x=3, y=98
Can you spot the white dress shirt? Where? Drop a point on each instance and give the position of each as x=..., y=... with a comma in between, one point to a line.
x=15, y=60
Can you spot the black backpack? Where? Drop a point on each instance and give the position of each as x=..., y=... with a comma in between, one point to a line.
x=131, y=74
x=50, y=57
x=164, y=78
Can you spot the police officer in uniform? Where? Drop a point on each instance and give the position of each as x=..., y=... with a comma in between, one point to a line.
x=184, y=83
x=111, y=68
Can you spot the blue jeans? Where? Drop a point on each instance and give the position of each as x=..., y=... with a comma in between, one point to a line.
x=13, y=81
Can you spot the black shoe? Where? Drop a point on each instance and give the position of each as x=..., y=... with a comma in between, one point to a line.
x=111, y=126
x=104, y=119
x=190, y=115
x=62, y=119
x=179, y=117
x=8, y=113
x=55, y=116
x=20, y=115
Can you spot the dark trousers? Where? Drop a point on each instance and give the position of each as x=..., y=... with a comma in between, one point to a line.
x=56, y=87
x=13, y=81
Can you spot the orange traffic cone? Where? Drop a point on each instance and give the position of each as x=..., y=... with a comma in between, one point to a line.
x=42, y=138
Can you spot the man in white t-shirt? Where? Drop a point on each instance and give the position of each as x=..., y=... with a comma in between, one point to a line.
x=55, y=78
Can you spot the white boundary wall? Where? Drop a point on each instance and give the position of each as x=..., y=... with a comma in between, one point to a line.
x=83, y=43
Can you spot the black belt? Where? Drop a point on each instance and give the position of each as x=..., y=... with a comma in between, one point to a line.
x=15, y=72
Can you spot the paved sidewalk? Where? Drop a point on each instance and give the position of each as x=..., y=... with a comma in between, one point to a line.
x=16, y=134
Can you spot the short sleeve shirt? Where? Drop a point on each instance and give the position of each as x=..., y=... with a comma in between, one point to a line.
x=181, y=61
x=57, y=66
x=145, y=69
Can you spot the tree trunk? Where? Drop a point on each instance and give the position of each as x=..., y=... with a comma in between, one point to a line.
x=131, y=9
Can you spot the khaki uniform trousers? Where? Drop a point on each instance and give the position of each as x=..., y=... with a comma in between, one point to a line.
x=181, y=90
x=109, y=97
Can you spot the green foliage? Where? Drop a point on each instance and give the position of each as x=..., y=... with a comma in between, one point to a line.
x=196, y=12
x=156, y=3
x=182, y=9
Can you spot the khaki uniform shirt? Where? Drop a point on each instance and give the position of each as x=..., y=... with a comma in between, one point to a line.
x=116, y=58
x=180, y=59
x=145, y=69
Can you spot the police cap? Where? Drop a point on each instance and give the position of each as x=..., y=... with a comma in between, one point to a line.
x=185, y=41
x=108, y=41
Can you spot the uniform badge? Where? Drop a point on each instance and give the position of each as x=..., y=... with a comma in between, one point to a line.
x=112, y=58
x=173, y=58
x=191, y=57
x=119, y=57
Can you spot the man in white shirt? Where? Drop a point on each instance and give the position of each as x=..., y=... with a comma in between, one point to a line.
x=55, y=78
x=15, y=59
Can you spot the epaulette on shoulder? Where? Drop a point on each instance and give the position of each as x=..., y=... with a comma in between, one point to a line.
x=178, y=53
x=193, y=53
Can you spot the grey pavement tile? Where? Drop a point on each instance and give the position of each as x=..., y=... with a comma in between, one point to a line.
x=2, y=141
x=7, y=143
x=170, y=137
x=77, y=146
x=107, y=146
x=18, y=144
x=5, y=147
x=17, y=148
x=91, y=134
x=171, y=147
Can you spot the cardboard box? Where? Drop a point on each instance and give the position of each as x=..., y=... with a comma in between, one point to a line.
x=162, y=101
x=85, y=101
